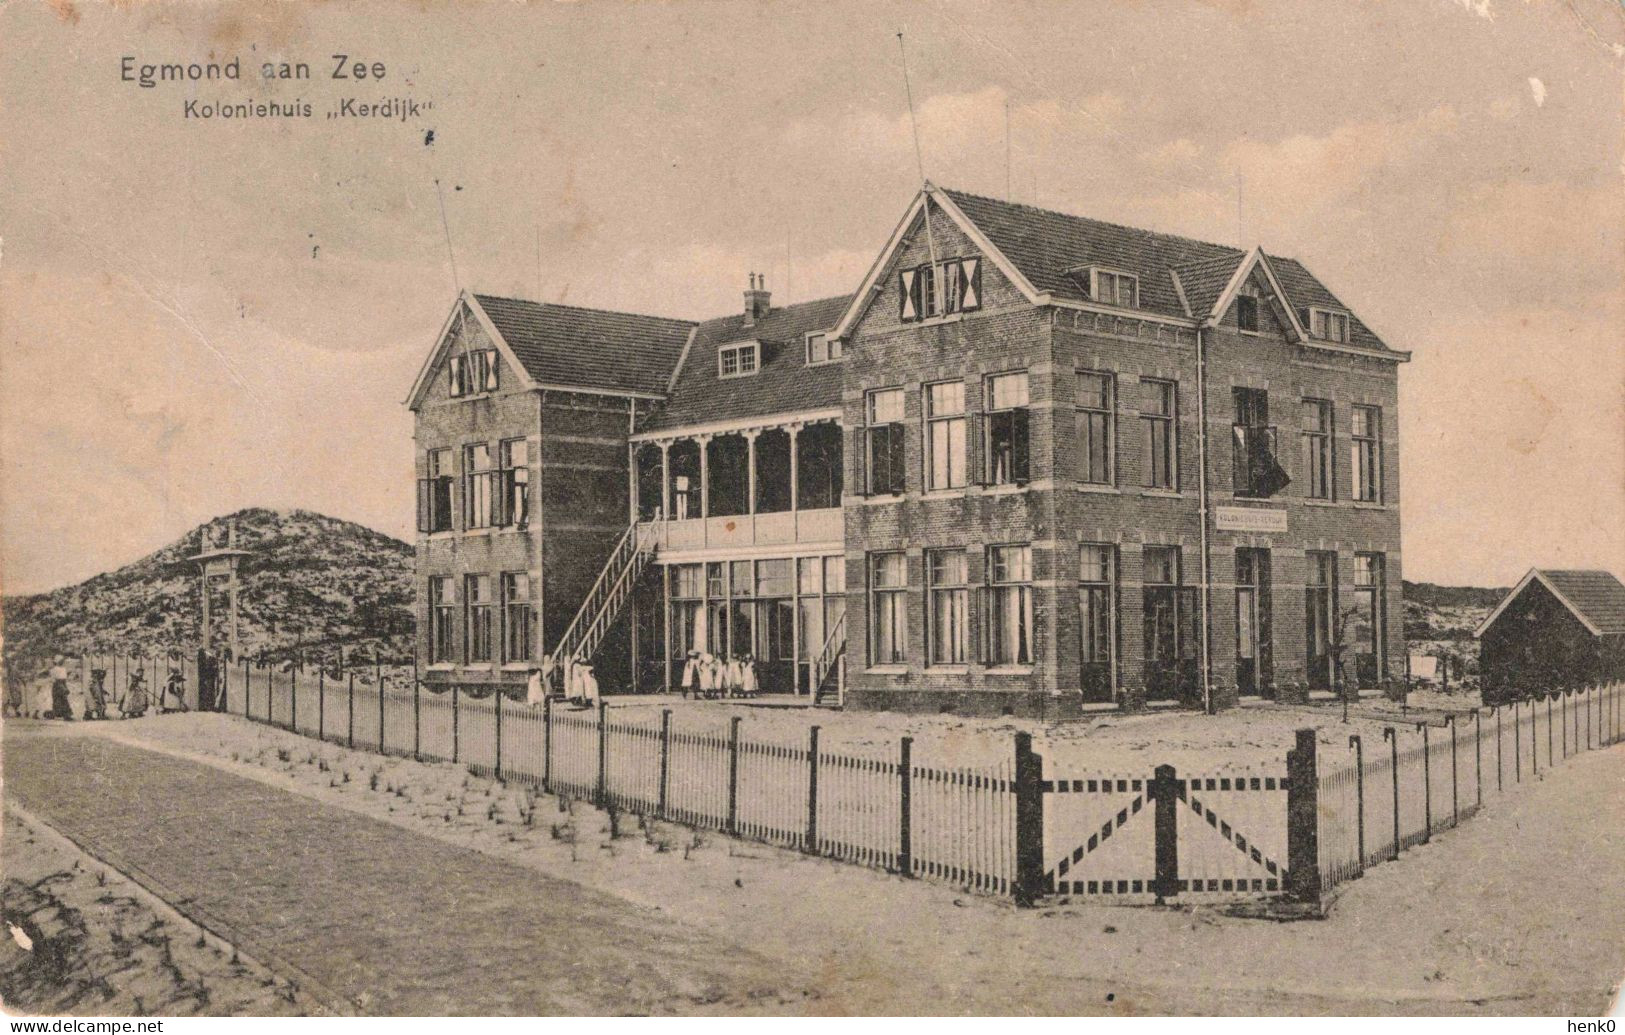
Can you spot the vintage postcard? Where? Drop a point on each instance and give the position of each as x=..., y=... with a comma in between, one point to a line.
x=933, y=508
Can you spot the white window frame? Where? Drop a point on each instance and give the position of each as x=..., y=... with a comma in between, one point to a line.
x=834, y=351
x=739, y=350
x=1323, y=312
x=1096, y=272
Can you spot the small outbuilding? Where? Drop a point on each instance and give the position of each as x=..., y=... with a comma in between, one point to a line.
x=1555, y=630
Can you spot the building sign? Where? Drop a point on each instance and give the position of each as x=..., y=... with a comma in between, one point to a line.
x=1248, y=519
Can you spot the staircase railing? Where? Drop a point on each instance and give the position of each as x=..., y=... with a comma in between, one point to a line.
x=609, y=593
x=829, y=655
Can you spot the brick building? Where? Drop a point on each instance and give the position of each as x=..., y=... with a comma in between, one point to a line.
x=1035, y=463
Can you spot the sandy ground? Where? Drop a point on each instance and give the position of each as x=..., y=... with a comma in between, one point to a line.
x=83, y=939
x=1450, y=928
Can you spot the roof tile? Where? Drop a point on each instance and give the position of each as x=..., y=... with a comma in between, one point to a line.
x=589, y=348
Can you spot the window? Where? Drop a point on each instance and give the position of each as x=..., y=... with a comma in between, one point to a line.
x=1172, y=625
x=1246, y=313
x=1007, y=443
x=1095, y=400
x=1257, y=474
x=477, y=642
x=1097, y=619
x=1366, y=447
x=884, y=417
x=514, y=504
x=1328, y=326
x=1114, y=288
x=434, y=493
x=1010, y=605
x=480, y=492
x=945, y=435
x=1317, y=449
x=1158, y=412
x=950, y=286
x=1364, y=640
x=473, y=372
x=1320, y=600
x=948, y=629
x=821, y=348
x=888, y=608
x=515, y=616
x=687, y=614
x=442, y=615
x=737, y=360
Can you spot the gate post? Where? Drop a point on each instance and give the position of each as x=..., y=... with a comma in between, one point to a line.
x=810, y=841
x=1302, y=821
x=1165, y=792
x=905, y=806
x=1029, y=822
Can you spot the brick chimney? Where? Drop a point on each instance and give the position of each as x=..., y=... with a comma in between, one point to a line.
x=758, y=299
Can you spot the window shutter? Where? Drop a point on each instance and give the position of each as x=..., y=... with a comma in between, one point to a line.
x=970, y=283
x=908, y=292
x=1020, y=463
x=860, y=460
x=894, y=458
x=976, y=448
x=425, y=502
x=454, y=375
x=493, y=371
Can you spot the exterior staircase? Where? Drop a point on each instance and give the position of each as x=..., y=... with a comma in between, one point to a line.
x=829, y=668
x=606, y=599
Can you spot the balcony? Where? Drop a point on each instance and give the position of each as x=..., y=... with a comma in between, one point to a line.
x=785, y=528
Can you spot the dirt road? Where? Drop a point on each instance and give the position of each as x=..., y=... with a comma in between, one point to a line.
x=394, y=922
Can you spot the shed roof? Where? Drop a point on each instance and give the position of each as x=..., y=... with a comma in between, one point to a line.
x=1596, y=598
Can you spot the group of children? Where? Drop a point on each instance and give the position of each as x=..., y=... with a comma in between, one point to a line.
x=134, y=703
x=706, y=675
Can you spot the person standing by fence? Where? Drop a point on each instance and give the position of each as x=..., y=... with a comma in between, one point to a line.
x=61, y=708
x=96, y=707
x=134, y=704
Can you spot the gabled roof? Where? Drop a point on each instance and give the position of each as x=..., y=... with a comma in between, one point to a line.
x=1050, y=253
x=783, y=383
x=567, y=346
x=1596, y=598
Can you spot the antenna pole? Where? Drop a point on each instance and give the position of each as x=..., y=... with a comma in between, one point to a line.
x=444, y=225
x=919, y=160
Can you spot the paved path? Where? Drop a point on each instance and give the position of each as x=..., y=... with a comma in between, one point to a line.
x=390, y=921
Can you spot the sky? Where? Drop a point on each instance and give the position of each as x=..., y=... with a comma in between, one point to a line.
x=202, y=315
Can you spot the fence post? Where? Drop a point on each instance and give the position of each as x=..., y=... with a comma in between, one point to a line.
x=1455, y=812
x=1165, y=792
x=1549, y=761
x=455, y=732
x=810, y=842
x=733, y=774
x=417, y=720
x=547, y=744
x=1359, y=795
x=1029, y=822
x=1302, y=821
x=1500, y=782
x=1517, y=747
x=499, y=734
x=1478, y=754
x=1563, y=710
x=381, y=710
x=293, y=696
x=1427, y=786
x=905, y=806
x=1534, y=730
x=602, y=792
x=321, y=701
x=1588, y=718
x=665, y=759
x=270, y=688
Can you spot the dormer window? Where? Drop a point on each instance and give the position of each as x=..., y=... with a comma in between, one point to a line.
x=739, y=360
x=1114, y=287
x=950, y=286
x=822, y=348
x=1328, y=325
x=473, y=372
